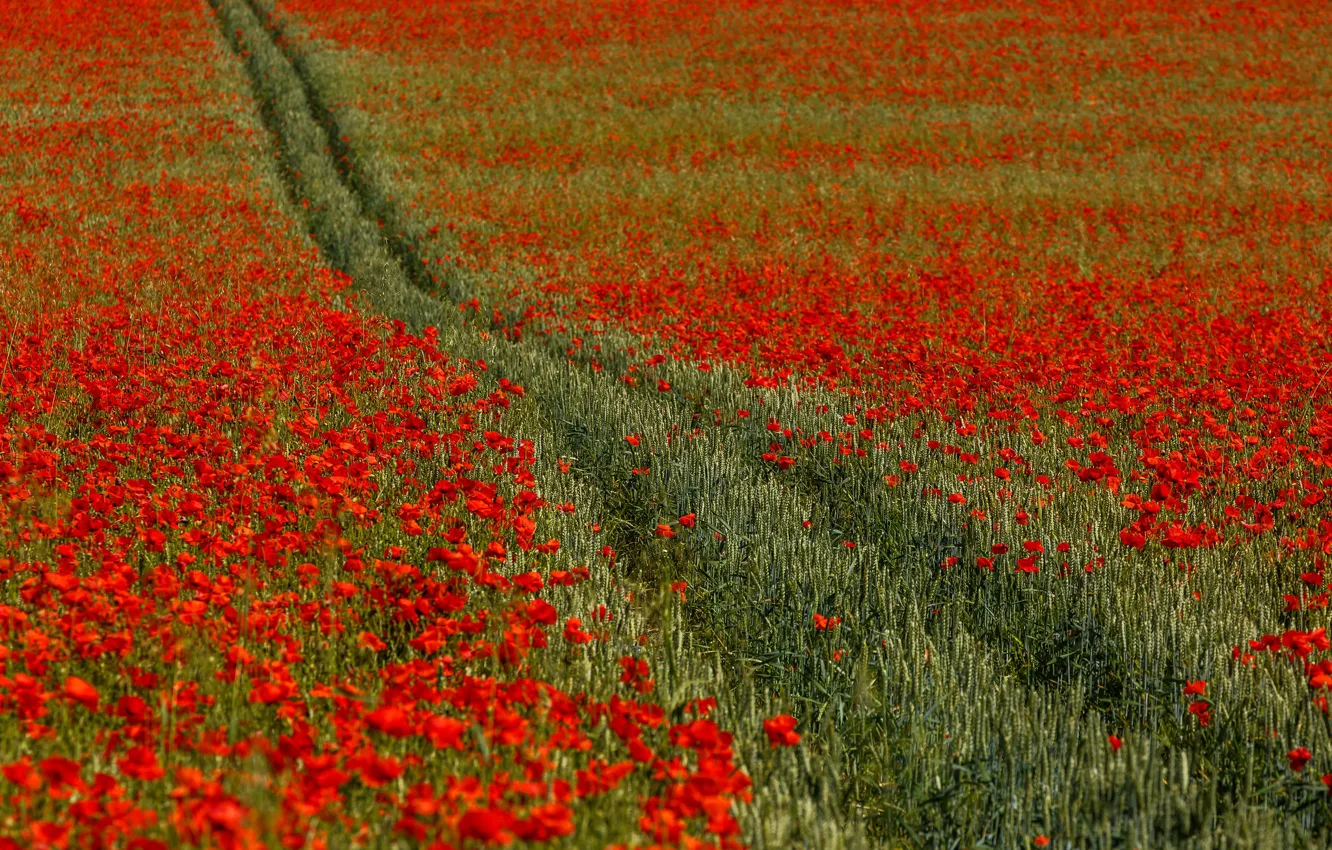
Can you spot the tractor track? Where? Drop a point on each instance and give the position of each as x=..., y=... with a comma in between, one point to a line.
x=573, y=411
x=324, y=174
x=578, y=413
x=402, y=242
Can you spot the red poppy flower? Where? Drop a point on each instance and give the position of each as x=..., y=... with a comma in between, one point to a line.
x=781, y=731
x=79, y=691
x=1299, y=757
x=141, y=763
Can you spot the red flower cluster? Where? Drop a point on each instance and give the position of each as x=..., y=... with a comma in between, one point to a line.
x=824, y=624
x=781, y=731
x=1299, y=757
x=274, y=563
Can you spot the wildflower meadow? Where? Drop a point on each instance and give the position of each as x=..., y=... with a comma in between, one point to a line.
x=706, y=424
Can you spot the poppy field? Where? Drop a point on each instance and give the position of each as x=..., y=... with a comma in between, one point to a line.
x=635, y=424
